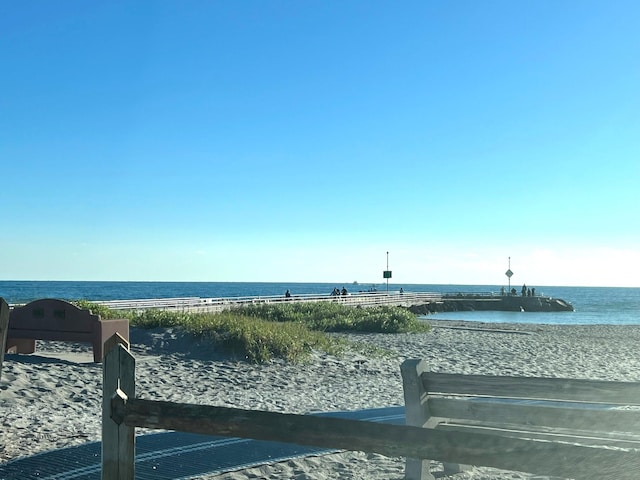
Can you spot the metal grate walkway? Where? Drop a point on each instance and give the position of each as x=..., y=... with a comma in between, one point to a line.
x=177, y=455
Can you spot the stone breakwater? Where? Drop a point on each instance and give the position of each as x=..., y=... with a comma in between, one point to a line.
x=503, y=303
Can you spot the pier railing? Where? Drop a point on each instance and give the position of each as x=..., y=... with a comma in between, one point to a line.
x=198, y=304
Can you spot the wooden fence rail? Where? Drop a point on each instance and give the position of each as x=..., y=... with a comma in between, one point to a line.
x=123, y=412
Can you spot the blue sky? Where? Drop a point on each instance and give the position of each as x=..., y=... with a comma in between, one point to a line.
x=301, y=141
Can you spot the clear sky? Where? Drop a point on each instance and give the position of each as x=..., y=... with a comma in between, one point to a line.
x=302, y=140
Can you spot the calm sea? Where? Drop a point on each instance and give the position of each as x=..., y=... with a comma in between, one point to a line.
x=593, y=305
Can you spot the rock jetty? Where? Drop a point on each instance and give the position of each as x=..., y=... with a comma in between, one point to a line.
x=487, y=302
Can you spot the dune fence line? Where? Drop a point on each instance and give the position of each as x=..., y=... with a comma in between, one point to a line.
x=122, y=412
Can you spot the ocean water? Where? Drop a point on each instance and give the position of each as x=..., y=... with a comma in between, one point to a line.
x=593, y=305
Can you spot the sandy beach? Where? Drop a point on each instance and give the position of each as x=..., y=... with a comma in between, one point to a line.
x=52, y=399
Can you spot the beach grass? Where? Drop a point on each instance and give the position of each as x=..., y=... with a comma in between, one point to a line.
x=333, y=317
x=263, y=332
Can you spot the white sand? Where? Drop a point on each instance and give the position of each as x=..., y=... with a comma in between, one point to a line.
x=52, y=399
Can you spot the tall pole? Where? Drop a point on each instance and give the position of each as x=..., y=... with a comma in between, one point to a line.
x=508, y=273
x=387, y=271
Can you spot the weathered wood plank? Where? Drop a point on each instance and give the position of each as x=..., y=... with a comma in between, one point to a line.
x=416, y=413
x=561, y=416
x=601, y=439
x=535, y=456
x=118, y=440
x=619, y=393
x=4, y=327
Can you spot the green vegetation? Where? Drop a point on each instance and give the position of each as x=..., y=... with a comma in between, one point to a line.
x=97, y=309
x=290, y=331
x=333, y=317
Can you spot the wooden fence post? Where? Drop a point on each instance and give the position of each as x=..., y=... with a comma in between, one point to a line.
x=118, y=440
x=415, y=401
x=4, y=328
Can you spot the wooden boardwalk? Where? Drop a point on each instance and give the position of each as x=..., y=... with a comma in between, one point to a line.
x=198, y=304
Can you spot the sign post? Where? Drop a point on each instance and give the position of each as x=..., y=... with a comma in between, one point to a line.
x=387, y=273
x=509, y=274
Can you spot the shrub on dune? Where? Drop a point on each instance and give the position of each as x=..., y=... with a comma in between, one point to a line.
x=262, y=332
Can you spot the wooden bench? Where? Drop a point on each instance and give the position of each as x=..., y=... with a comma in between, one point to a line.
x=51, y=319
x=535, y=425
